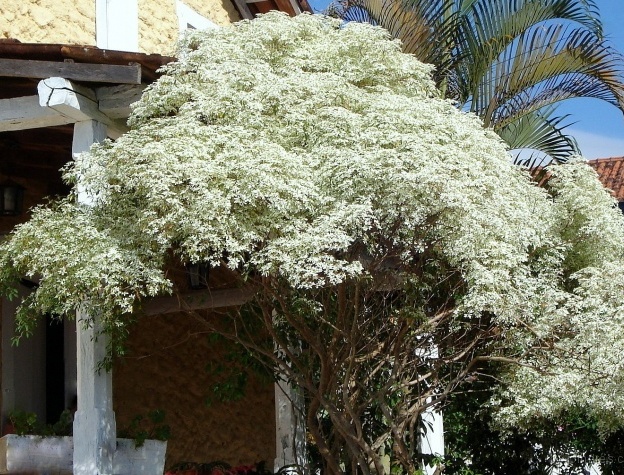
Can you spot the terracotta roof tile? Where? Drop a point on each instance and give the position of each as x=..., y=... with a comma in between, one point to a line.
x=611, y=174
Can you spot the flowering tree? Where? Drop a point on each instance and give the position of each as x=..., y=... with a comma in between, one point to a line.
x=511, y=62
x=392, y=247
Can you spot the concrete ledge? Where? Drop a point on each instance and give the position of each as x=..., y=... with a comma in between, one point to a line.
x=32, y=454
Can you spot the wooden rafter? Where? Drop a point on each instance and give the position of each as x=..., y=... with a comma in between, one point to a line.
x=75, y=102
x=60, y=101
x=198, y=300
x=102, y=73
x=243, y=9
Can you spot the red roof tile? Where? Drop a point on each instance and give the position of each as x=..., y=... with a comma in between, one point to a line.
x=611, y=174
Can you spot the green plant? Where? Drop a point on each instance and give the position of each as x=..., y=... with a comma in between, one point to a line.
x=233, y=371
x=390, y=247
x=143, y=427
x=23, y=422
x=26, y=423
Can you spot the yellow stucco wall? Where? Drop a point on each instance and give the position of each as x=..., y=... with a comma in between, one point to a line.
x=158, y=21
x=222, y=12
x=73, y=21
x=158, y=26
x=48, y=21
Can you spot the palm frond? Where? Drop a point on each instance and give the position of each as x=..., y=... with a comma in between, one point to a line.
x=490, y=20
x=557, y=64
x=508, y=61
x=491, y=33
x=541, y=131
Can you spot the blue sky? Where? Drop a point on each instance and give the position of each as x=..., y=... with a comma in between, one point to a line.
x=599, y=126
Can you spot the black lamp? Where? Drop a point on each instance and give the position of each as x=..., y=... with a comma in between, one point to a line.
x=198, y=275
x=11, y=198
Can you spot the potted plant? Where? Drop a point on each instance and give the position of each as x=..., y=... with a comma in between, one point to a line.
x=141, y=447
x=37, y=448
x=48, y=448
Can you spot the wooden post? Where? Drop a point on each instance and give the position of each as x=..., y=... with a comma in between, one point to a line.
x=290, y=433
x=432, y=440
x=94, y=421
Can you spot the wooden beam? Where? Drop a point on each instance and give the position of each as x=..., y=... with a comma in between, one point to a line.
x=115, y=101
x=296, y=7
x=25, y=113
x=200, y=300
x=243, y=9
x=62, y=102
x=285, y=6
x=106, y=73
x=75, y=102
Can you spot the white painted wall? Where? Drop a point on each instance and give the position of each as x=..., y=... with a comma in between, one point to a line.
x=189, y=18
x=432, y=441
x=117, y=25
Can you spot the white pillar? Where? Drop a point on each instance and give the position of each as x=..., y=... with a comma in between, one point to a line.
x=432, y=441
x=94, y=421
x=290, y=434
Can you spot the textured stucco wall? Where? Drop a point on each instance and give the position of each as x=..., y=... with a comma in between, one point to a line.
x=48, y=21
x=158, y=26
x=167, y=368
x=73, y=21
x=222, y=12
x=158, y=21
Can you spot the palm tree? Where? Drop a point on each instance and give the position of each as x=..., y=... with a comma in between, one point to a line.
x=509, y=61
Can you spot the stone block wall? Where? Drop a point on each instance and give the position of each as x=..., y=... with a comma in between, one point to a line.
x=222, y=12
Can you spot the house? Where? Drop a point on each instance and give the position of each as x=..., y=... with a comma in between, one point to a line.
x=69, y=70
x=611, y=174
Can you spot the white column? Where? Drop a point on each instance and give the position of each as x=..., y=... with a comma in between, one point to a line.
x=94, y=421
x=290, y=434
x=432, y=440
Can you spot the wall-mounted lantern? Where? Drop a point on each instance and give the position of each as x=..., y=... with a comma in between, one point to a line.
x=11, y=198
x=198, y=275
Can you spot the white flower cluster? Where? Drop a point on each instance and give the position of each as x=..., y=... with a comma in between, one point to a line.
x=290, y=143
x=584, y=318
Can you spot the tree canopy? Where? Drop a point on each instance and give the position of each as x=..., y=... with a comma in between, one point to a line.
x=509, y=61
x=393, y=247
